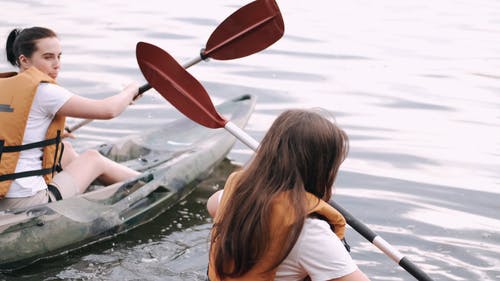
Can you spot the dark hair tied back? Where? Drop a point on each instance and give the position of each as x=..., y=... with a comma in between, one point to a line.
x=9, y=47
x=22, y=42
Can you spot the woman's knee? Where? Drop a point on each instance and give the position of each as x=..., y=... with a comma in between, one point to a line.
x=67, y=145
x=69, y=154
x=92, y=155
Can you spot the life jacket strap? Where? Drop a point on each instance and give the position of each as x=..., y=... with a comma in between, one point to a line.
x=1, y=149
x=56, y=167
x=18, y=148
x=14, y=176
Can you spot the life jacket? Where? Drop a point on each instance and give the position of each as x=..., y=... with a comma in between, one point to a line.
x=281, y=220
x=17, y=92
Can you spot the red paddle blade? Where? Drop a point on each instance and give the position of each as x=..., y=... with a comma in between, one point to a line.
x=250, y=29
x=176, y=85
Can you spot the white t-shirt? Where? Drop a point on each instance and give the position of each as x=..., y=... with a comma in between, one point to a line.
x=318, y=253
x=48, y=99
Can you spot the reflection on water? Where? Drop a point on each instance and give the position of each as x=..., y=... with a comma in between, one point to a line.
x=415, y=85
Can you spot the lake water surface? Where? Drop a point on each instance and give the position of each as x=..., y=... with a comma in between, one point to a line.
x=416, y=85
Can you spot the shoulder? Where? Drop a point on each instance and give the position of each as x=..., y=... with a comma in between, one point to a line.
x=50, y=97
x=231, y=182
x=219, y=198
x=315, y=230
x=318, y=253
x=49, y=91
x=322, y=253
x=233, y=177
x=53, y=90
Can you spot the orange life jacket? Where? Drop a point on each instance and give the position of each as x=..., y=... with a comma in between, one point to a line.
x=281, y=219
x=17, y=92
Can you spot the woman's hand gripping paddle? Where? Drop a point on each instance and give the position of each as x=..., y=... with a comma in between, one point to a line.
x=250, y=29
x=186, y=94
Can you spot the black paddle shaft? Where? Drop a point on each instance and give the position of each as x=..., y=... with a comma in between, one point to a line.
x=375, y=239
x=143, y=89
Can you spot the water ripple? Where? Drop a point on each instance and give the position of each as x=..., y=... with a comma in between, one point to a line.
x=315, y=55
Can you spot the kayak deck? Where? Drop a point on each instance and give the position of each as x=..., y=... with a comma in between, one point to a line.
x=172, y=159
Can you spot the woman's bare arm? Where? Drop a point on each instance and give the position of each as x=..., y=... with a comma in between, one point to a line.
x=107, y=108
x=213, y=203
x=357, y=275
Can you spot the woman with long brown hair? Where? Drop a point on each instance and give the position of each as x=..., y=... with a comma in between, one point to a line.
x=271, y=221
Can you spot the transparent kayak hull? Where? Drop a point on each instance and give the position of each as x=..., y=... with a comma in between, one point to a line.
x=172, y=158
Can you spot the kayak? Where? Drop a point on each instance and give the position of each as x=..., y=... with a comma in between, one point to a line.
x=172, y=159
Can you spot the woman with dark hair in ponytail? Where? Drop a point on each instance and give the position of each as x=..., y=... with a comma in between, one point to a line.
x=36, y=166
x=271, y=221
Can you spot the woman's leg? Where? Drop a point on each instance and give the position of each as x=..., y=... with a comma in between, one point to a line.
x=69, y=154
x=91, y=165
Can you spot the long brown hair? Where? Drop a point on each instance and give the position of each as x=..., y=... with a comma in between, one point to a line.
x=302, y=151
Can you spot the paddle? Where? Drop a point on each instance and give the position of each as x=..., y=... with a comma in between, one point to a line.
x=185, y=93
x=248, y=30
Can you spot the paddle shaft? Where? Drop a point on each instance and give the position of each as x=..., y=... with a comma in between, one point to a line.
x=356, y=224
x=380, y=243
x=241, y=135
x=142, y=89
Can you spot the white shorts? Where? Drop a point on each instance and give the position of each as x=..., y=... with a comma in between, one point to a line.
x=62, y=186
x=41, y=197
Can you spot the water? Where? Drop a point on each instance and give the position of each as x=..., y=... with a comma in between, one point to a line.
x=415, y=85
